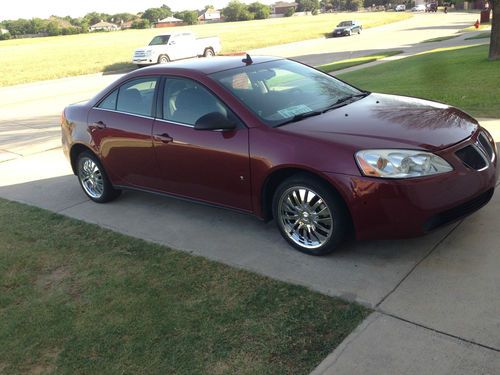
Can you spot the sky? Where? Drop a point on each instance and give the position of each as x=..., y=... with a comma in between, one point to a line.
x=45, y=8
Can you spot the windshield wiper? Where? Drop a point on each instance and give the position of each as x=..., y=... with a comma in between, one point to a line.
x=344, y=100
x=299, y=117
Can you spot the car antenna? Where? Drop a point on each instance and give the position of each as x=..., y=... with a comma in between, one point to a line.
x=247, y=60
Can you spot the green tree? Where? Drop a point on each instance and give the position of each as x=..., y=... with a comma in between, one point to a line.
x=236, y=11
x=140, y=24
x=260, y=11
x=307, y=5
x=155, y=14
x=494, y=53
x=37, y=25
x=189, y=17
x=290, y=12
x=119, y=17
x=53, y=28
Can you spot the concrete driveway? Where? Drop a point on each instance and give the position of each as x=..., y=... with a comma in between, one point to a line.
x=437, y=298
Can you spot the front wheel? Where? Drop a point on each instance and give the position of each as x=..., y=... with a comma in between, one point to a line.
x=163, y=59
x=93, y=179
x=310, y=215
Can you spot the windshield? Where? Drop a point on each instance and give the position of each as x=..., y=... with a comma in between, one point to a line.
x=344, y=24
x=159, y=40
x=278, y=91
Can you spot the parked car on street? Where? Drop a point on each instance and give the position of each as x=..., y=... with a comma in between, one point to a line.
x=176, y=46
x=278, y=139
x=431, y=7
x=347, y=28
x=419, y=8
x=400, y=8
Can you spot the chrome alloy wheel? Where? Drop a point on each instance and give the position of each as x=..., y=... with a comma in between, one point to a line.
x=91, y=178
x=305, y=217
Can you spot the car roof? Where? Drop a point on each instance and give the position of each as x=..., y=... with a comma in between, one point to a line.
x=206, y=65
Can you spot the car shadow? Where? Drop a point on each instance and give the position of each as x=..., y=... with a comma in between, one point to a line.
x=358, y=271
x=119, y=68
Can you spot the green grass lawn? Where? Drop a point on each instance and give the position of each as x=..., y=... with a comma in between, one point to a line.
x=78, y=299
x=463, y=77
x=440, y=38
x=480, y=36
x=28, y=60
x=343, y=64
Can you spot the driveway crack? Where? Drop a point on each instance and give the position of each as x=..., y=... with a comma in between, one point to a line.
x=417, y=264
x=439, y=331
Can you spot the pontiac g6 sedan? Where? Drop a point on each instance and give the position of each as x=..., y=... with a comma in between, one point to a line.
x=278, y=139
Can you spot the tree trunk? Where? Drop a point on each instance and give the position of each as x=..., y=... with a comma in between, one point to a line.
x=495, y=31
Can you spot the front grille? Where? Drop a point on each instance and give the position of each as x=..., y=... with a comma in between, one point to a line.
x=485, y=145
x=140, y=54
x=458, y=212
x=472, y=157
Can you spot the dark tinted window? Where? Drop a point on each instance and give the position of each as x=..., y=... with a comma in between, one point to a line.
x=137, y=96
x=110, y=101
x=185, y=101
x=159, y=40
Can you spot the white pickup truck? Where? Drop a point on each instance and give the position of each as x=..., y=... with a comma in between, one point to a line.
x=176, y=46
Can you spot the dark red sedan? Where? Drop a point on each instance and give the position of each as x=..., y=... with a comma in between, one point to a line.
x=281, y=140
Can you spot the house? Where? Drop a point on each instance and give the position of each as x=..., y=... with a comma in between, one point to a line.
x=126, y=25
x=168, y=22
x=209, y=15
x=106, y=26
x=281, y=7
x=3, y=31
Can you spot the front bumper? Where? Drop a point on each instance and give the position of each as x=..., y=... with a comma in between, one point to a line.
x=340, y=33
x=387, y=209
x=143, y=61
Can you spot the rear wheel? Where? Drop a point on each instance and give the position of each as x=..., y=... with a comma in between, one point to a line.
x=94, y=180
x=310, y=215
x=209, y=52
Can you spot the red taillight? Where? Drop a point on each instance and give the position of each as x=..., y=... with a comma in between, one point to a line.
x=63, y=118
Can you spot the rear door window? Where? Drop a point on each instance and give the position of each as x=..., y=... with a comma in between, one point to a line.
x=137, y=96
x=110, y=101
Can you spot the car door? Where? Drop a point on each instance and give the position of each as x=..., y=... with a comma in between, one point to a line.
x=121, y=126
x=211, y=166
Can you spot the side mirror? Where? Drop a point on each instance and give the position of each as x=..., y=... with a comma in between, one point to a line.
x=214, y=121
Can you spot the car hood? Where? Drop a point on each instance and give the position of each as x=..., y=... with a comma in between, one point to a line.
x=389, y=121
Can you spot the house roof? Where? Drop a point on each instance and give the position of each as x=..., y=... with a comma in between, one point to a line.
x=104, y=24
x=170, y=19
x=128, y=23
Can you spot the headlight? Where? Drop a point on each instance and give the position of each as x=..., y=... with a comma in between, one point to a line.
x=400, y=163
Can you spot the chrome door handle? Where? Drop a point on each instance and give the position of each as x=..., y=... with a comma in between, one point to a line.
x=165, y=138
x=99, y=125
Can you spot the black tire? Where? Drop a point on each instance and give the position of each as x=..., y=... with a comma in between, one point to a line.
x=163, y=59
x=106, y=192
x=209, y=52
x=339, y=218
